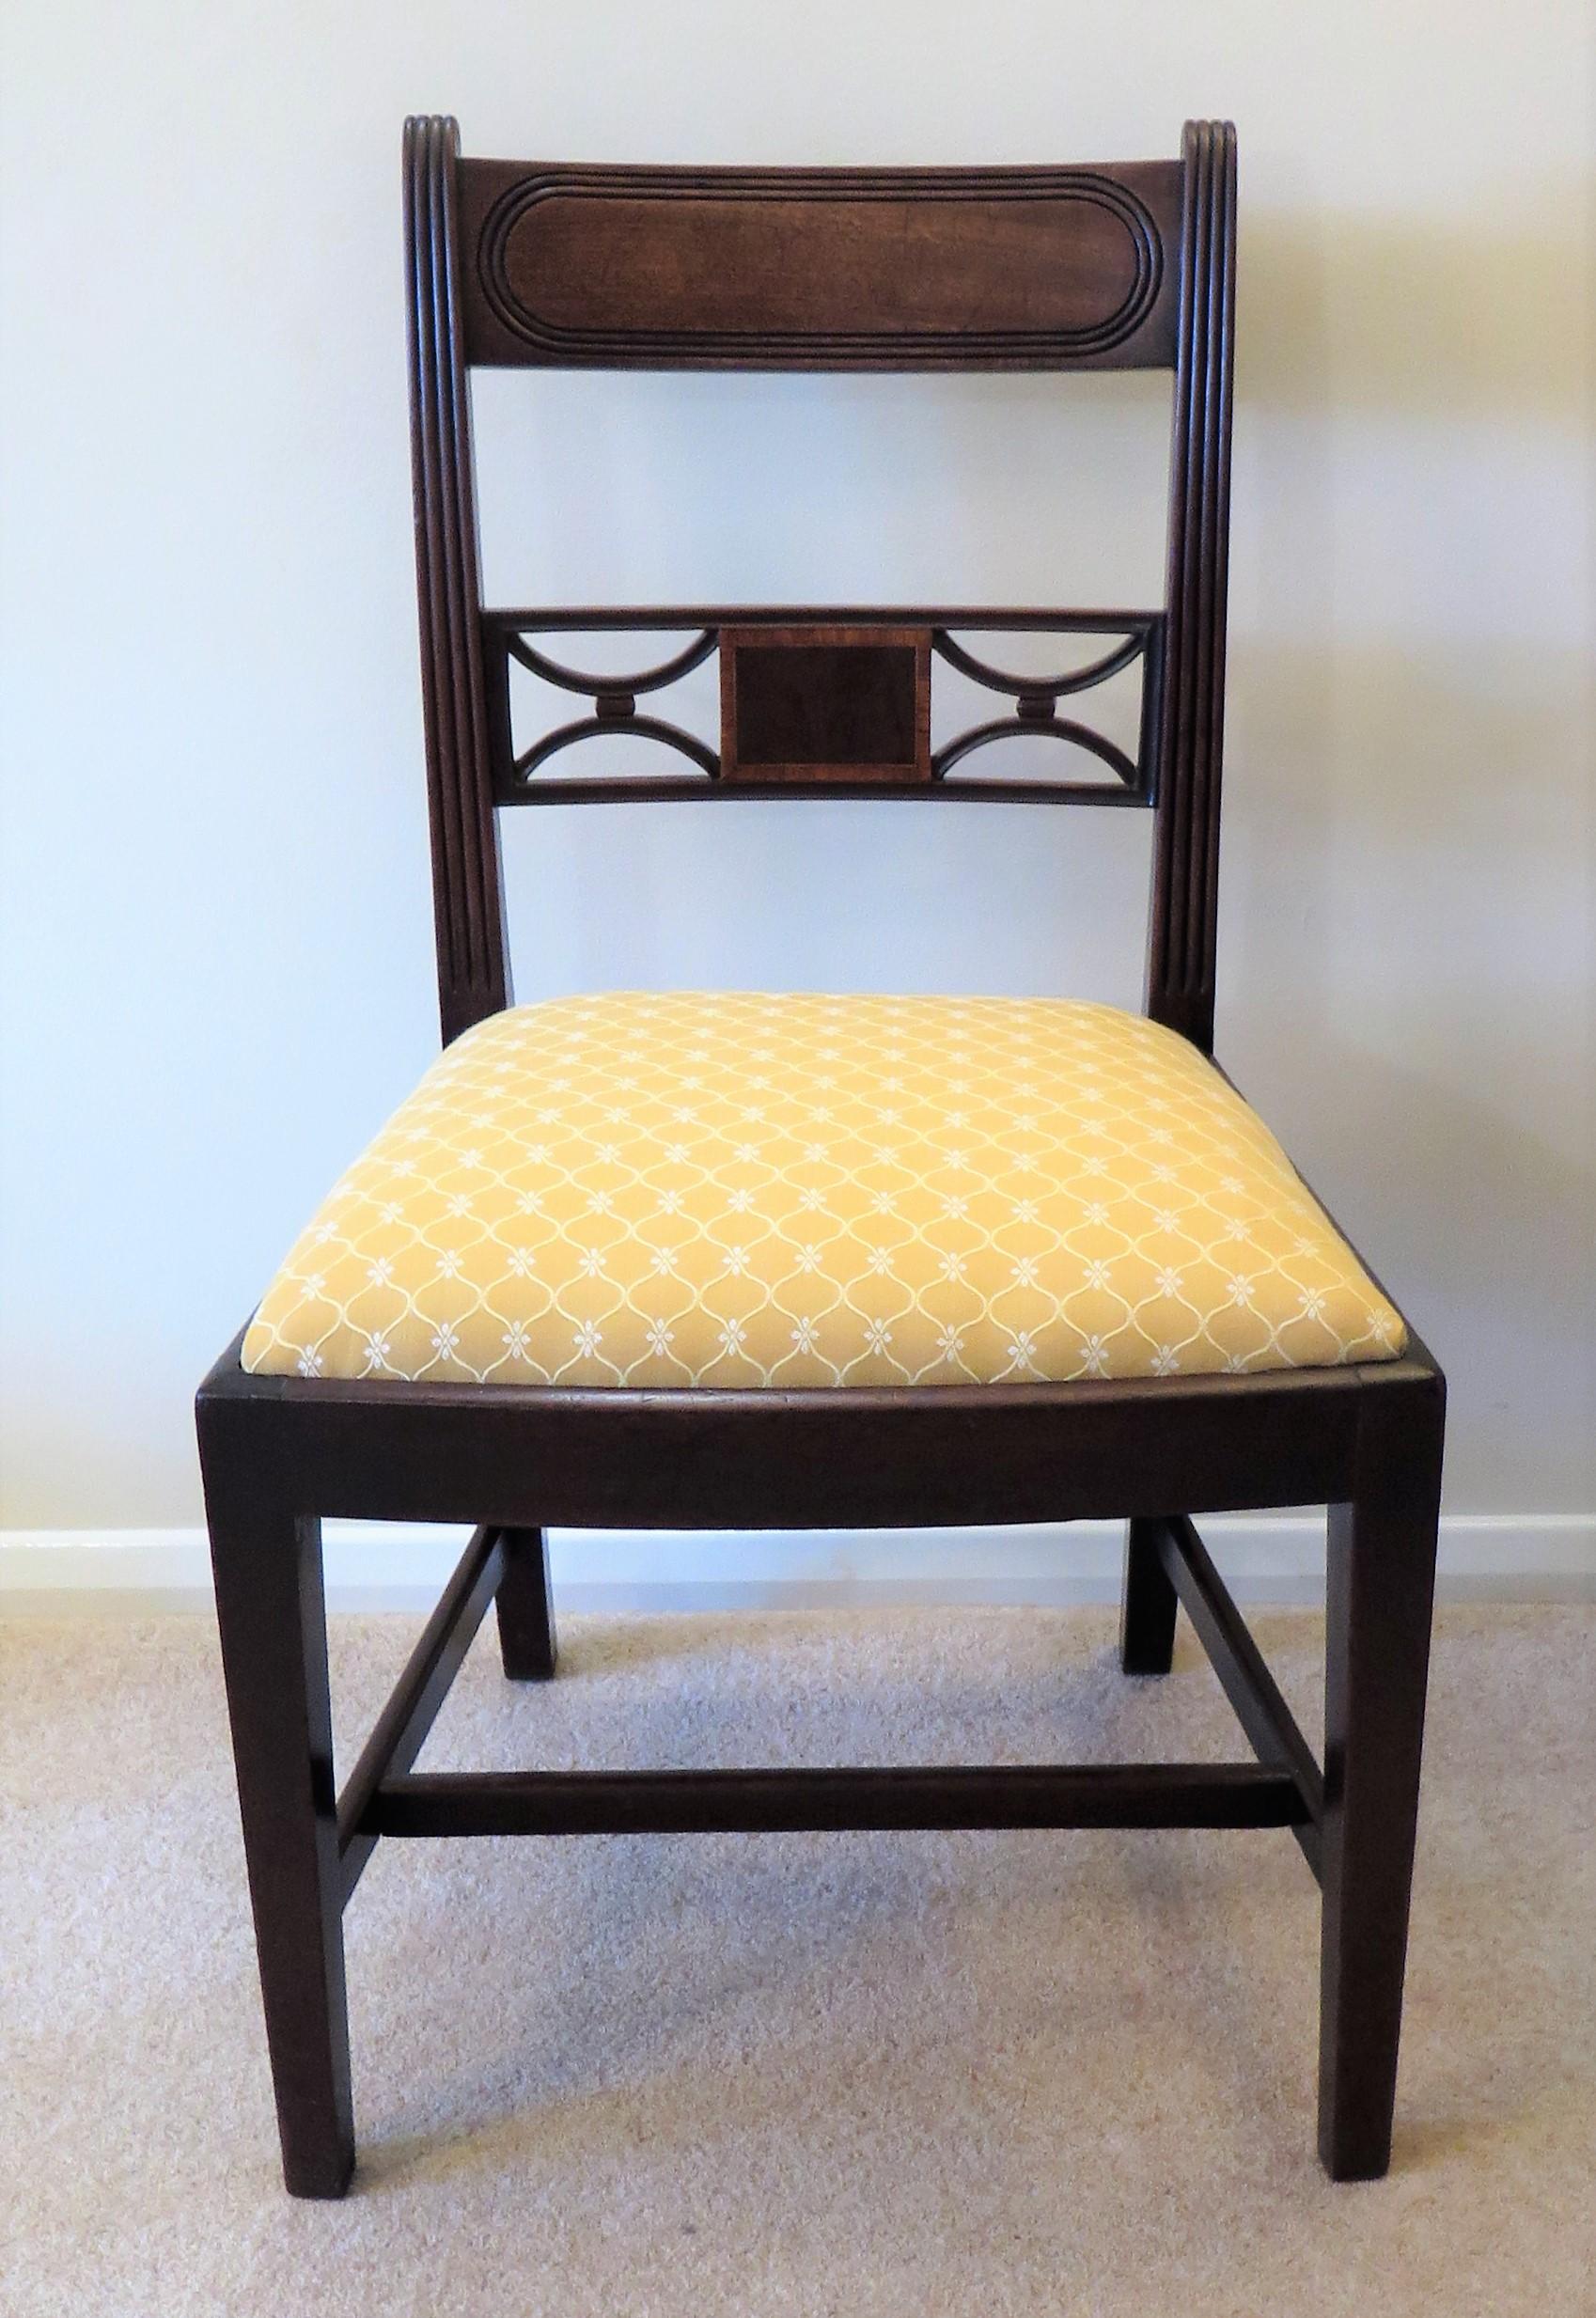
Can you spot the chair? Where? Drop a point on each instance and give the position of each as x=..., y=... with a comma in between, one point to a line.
x=481, y=1386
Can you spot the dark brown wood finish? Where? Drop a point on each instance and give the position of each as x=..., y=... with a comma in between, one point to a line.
x=1102, y=1794
x=399, y=1731
x=527, y=1647
x=1185, y=870
x=858, y=1458
x=1381, y=1590
x=1245, y=1679
x=469, y=908
x=1149, y=1601
x=828, y=641
x=820, y=269
x=1053, y=269
x=820, y=702
x=266, y=1560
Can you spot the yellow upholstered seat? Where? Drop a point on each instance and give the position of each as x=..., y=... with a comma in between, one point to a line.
x=734, y=1190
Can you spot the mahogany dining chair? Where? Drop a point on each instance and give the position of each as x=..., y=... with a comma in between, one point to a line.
x=748, y=1260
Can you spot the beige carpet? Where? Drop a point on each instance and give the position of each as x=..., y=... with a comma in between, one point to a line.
x=848, y=2074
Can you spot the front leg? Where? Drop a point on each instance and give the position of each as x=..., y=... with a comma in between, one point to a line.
x=268, y=1606
x=1381, y=1591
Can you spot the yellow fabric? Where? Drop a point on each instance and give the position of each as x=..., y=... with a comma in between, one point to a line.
x=736, y=1190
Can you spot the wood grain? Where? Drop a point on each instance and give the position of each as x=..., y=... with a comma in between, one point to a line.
x=818, y=269
x=816, y=702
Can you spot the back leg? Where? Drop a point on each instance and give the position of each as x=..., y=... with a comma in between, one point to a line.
x=1147, y=1625
x=527, y=1607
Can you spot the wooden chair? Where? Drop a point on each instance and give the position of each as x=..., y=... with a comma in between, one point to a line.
x=1064, y=269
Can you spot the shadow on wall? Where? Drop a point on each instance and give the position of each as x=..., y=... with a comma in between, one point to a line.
x=1402, y=849
x=1476, y=1223
x=1427, y=321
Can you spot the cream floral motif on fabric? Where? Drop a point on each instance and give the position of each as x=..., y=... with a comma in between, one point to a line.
x=735, y=1190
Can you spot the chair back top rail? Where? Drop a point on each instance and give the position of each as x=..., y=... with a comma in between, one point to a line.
x=578, y=266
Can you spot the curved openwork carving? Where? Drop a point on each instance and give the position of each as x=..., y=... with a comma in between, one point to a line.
x=614, y=703
x=1053, y=728
x=700, y=266
x=1137, y=636
x=590, y=727
x=1037, y=699
x=601, y=687
x=1037, y=687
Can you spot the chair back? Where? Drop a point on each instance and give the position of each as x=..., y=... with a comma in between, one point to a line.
x=539, y=265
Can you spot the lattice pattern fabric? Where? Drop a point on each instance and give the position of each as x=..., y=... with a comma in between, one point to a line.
x=735, y=1190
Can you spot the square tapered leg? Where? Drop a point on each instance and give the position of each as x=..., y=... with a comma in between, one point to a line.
x=527, y=1607
x=1380, y=1591
x=270, y=1610
x=1147, y=1626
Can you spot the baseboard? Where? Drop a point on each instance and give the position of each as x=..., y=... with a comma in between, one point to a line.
x=400, y=1566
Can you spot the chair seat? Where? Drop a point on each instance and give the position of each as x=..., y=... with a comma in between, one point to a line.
x=734, y=1190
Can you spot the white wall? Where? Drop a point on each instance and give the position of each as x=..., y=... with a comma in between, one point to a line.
x=217, y=926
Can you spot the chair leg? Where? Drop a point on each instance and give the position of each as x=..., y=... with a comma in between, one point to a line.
x=1380, y=1595
x=270, y=1609
x=527, y=1607
x=1147, y=1624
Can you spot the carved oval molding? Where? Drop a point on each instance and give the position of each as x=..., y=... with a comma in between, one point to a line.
x=592, y=265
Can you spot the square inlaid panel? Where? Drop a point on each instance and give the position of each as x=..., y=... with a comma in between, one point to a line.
x=812, y=703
